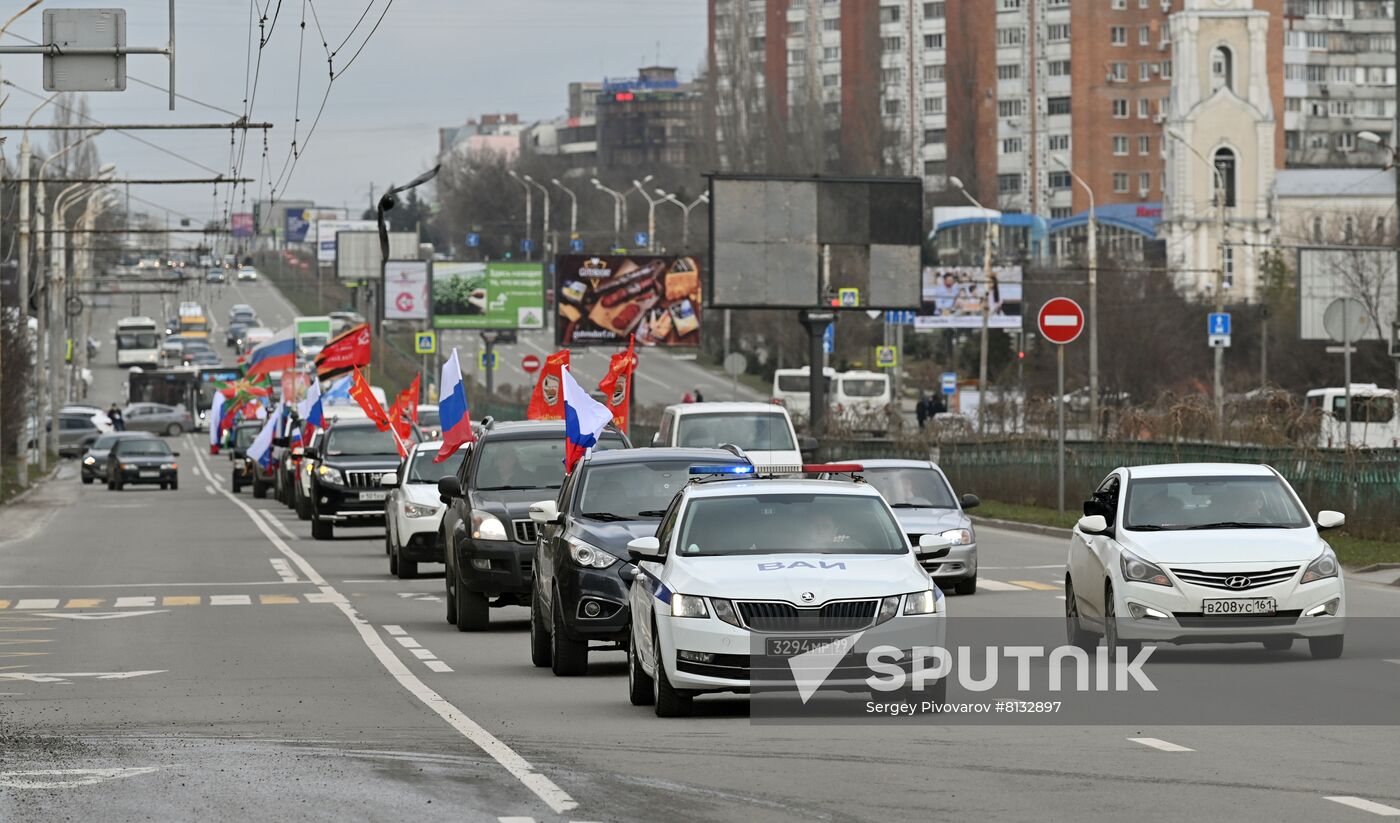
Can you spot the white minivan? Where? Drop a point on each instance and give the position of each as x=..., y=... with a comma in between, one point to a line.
x=792, y=388
x=763, y=430
x=1374, y=424
x=861, y=397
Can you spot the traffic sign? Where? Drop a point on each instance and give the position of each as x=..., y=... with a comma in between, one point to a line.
x=886, y=357
x=530, y=363
x=1218, y=324
x=949, y=382
x=473, y=240
x=848, y=298
x=1060, y=320
x=425, y=342
x=489, y=360
x=829, y=339
x=576, y=245
x=899, y=317
x=527, y=245
x=641, y=239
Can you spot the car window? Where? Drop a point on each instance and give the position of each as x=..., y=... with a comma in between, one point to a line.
x=149, y=447
x=751, y=431
x=244, y=436
x=789, y=523
x=1179, y=503
x=862, y=386
x=665, y=430
x=104, y=442
x=668, y=525
x=911, y=487
x=424, y=470
x=359, y=440
x=525, y=463
x=634, y=491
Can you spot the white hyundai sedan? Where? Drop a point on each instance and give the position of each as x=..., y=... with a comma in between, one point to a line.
x=413, y=510
x=774, y=559
x=1202, y=553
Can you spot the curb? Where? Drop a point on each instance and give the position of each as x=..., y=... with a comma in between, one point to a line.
x=1016, y=526
x=38, y=483
x=1377, y=567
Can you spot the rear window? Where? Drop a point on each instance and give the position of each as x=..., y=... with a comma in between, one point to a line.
x=863, y=387
x=798, y=383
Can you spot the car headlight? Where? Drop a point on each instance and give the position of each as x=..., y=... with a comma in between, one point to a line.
x=1324, y=566
x=89, y=460
x=924, y=602
x=170, y=466
x=330, y=474
x=590, y=557
x=688, y=605
x=889, y=607
x=127, y=466
x=418, y=510
x=487, y=527
x=724, y=610
x=1140, y=571
x=958, y=537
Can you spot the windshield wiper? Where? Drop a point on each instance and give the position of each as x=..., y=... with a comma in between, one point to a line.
x=1151, y=527
x=512, y=488
x=917, y=506
x=652, y=513
x=606, y=517
x=1233, y=524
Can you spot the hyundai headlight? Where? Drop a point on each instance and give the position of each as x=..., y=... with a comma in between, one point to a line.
x=1324, y=566
x=958, y=537
x=487, y=527
x=1137, y=570
x=688, y=605
x=924, y=602
x=331, y=474
x=418, y=510
x=590, y=557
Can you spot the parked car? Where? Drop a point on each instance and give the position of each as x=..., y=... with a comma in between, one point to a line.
x=142, y=460
x=94, y=463
x=76, y=432
x=158, y=418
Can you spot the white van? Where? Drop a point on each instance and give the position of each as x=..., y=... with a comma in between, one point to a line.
x=861, y=394
x=792, y=388
x=1373, y=419
x=763, y=430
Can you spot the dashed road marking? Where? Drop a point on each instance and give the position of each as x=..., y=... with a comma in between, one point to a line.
x=230, y=600
x=1160, y=745
x=408, y=642
x=437, y=666
x=35, y=603
x=283, y=569
x=210, y=491
x=134, y=602
x=1367, y=806
x=1035, y=585
x=396, y=631
x=178, y=600
x=998, y=586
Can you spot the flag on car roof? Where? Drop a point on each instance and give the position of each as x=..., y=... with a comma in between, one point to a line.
x=454, y=411
x=310, y=410
x=584, y=419
x=276, y=355
x=261, y=448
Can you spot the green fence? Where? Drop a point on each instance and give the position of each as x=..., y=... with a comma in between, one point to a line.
x=1363, y=484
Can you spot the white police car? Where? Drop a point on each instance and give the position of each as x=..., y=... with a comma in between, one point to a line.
x=738, y=556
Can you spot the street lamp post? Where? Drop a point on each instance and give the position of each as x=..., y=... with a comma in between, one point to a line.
x=1093, y=297
x=529, y=206
x=619, y=210
x=573, y=207
x=1219, y=272
x=651, y=212
x=546, y=245
x=986, y=305
x=685, y=209
x=1372, y=137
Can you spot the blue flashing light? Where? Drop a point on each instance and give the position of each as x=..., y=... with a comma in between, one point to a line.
x=721, y=470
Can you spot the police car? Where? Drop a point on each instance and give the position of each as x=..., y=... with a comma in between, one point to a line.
x=740, y=559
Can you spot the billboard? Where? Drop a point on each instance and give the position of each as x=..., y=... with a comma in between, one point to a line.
x=815, y=243
x=953, y=297
x=358, y=254
x=241, y=223
x=488, y=295
x=604, y=299
x=326, y=231
x=1365, y=273
x=298, y=222
x=406, y=290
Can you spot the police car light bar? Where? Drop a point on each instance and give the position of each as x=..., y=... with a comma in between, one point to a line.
x=720, y=470
x=831, y=468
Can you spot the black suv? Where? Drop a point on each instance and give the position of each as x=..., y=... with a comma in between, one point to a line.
x=580, y=557
x=345, y=481
x=487, y=534
x=245, y=471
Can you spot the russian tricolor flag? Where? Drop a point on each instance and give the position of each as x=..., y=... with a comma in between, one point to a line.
x=310, y=410
x=584, y=419
x=276, y=355
x=453, y=409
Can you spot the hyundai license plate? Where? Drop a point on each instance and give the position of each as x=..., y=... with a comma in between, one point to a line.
x=370, y=497
x=1248, y=605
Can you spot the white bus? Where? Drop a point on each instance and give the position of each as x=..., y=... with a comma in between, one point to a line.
x=138, y=342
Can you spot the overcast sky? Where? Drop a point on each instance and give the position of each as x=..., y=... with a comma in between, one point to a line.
x=431, y=63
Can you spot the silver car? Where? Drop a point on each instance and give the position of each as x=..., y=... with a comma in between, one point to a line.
x=924, y=502
x=158, y=418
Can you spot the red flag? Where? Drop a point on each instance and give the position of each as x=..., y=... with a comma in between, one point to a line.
x=408, y=400
x=547, y=403
x=404, y=413
x=351, y=349
x=360, y=391
x=616, y=385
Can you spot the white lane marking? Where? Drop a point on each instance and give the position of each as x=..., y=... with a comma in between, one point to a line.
x=1160, y=745
x=210, y=490
x=1397, y=662
x=396, y=631
x=282, y=527
x=1367, y=806
x=101, y=615
x=324, y=596
x=998, y=586
x=134, y=603
x=230, y=600
x=437, y=666
x=409, y=643
x=423, y=654
x=279, y=565
x=63, y=677
x=37, y=604
x=545, y=789
x=516, y=819
x=68, y=778
x=137, y=585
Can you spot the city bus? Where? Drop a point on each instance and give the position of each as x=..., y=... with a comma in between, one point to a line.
x=138, y=342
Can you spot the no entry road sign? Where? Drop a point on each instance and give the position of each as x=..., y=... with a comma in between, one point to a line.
x=1061, y=320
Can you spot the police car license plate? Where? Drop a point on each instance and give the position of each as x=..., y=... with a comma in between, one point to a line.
x=1250, y=605
x=793, y=646
x=369, y=497
x=150, y=473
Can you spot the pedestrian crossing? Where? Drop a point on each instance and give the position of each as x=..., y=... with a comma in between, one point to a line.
x=164, y=601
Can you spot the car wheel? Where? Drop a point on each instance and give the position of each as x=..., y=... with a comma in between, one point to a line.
x=1075, y=633
x=473, y=610
x=669, y=702
x=451, y=597
x=165, y=487
x=174, y=485
x=321, y=530
x=259, y=489
x=120, y=485
x=1118, y=648
x=174, y=430
x=539, y=638
x=87, y=480
x=639, y=685
x=968, y=585
x=570, y=656
x=1278, y=644
x=111, y=484
x=405, y=569
x=393, y=564
x=1326, y=648
x=235, y=485
x=388, y=544
x=303, y=507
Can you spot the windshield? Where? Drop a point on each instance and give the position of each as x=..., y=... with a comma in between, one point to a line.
x=360, y=440
x=789, y=523
x=244, y=436
x=137, y=340
x=526, y=464
x=634, y=491
x=1172, y=503
x=751, y=431
x=798, y=383
x=429, y=418
x=188, y=324
x=863, y=387
x=314, y=341
x=424, y=470
x=105, y=442
x=911, y=488
x=143, y=447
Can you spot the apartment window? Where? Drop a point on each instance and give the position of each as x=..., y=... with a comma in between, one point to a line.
x=890, y=77
x=935, y=137
x=1317, y=229
x=1120, y=108
x=831, y=53
x=1227, y=263
x=892, y=107
x=1380, y=228
x=797, y=56
x=1009, y=37
x=1009, y=71
x=795, y=27
x=1057, y=32
x=1144, y=71
x=1118, y=35
x=1057, y=105
x=1120, y=144
x=933, y=105
x=1346, y=141
x=831, y=24
x=1144, y=35
x=1120, y=182
x=1058, y=142
x=1118, y=71
x=1060, y=212
x=933, y=41
x=933, y=11
x=1010, y=108
x=933, y=74
x=1317, y=74
x=756, y=43
x=1166, y=69
x=1059, y=180
x=1144, y=144
x=1058, y=68
x=889, y=14
x=1010, y=5
x=933, y=168
x=1011, y=145
x=1145, y=182
x=1008, y=183
x=1144, y=108
x=831, y=80
x=1225, y=166
x=1119, y=5
x=1142, y=4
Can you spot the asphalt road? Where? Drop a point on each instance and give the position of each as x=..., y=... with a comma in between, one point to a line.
x=195, y=655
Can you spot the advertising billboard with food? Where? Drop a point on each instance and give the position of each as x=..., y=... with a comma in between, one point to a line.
x=488, y=295
x=604, y=300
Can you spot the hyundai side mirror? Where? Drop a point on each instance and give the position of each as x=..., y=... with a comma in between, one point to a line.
x=970, y=501
x=1093, y=524
x=449, y=489
x=644, y=548
x=389, y=480
x=1330, y=519
x=934, y=545
x=544, y=512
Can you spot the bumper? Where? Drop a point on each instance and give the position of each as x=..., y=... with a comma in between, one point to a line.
x=603, y=588
x=509, y=566
x=97, y=471
x=960, y=562
x=1176, y=614
x=149, y=476
x=421, y=546
x=334, y=505
x=733, y=660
